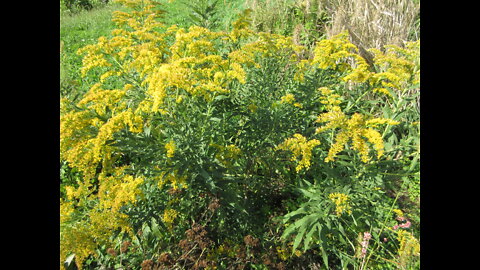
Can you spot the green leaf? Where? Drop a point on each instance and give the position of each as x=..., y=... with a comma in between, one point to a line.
x=220, y=97
x=324, y=257
x=299, y=211
x=299, y=238
x=308, y=194
x=208, y=179
x=155, y=229
x=309, y=236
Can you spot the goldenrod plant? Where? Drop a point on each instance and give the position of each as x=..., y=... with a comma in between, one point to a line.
x=196, y=148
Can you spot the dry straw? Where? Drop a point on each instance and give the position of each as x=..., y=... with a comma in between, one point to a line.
x=372, y=23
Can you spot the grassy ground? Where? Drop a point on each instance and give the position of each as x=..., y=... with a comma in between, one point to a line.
x=76, y=31
x=86, y=26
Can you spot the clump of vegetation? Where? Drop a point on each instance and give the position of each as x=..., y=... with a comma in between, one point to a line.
x=209, y=148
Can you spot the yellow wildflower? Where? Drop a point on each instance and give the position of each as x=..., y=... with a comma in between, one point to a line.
x=170, y=147
x=333, y=52
x=397, y=67
x=175, y=180
x=357, y=128
x=299, y=146
x=342, y=204
x=398, y=213
x=329, y=99
x=288, y=98
x=227, y=154
x=70, y=191
x=66, y=209
x=408, y=247
x=169, y=216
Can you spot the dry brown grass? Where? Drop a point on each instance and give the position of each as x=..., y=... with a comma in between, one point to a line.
x=373, y=23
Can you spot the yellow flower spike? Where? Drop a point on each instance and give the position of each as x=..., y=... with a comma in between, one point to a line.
x=66, y=209
x=397, y=67
x=329, y=99
x=342, y=203
x=288, y=98
x=299, y=146
x=409, y=246
x=70, y=192
x=170, y=147
x=169, y=216
x=355, y=128
x=332, y=52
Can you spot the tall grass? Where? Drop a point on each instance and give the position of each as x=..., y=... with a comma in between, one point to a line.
x=373, y=23
x=77, y=30
x=370, y=23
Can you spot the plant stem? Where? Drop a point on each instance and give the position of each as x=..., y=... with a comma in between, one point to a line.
x=384, y=222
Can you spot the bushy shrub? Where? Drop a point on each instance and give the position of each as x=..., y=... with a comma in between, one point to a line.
x=205, y=149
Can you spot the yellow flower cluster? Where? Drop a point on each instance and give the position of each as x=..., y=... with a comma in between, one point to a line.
x=339, y=53
x=118, y=189
x=352, y=129
x=66, y=209
x=227, y=154
x=81, y=237
x=398, y=212
x=357, y=128
x=299, y=146
x=290, y=99
x=175, y=180
x=76, y=240
x=329, y=99
x=397, y=67
x=170, y=147
x=392, y=69
x=84, y=133
x=333, y=52
x=409, y=246
x=169, y=216
x=342, y=203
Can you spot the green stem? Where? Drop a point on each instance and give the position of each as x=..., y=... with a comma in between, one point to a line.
x=356, y=101
x=384, y=225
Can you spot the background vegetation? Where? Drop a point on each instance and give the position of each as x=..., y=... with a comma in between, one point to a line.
x=240, y=134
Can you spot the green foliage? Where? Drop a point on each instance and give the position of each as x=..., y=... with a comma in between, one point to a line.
x=203, y=13
x=76, y=31
x=305, y=21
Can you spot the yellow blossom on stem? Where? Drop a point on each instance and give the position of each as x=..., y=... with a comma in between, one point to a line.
x=170, y=147
x=169, y=216
x=342, y=203
x=175, y=180
x=357, y=128
x=409, y=246
x=288, y=98
x=227, y=154
x=299, y=146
